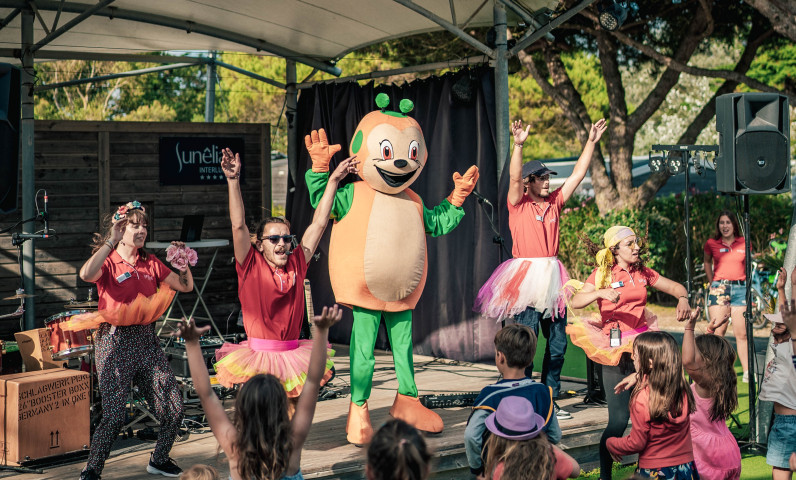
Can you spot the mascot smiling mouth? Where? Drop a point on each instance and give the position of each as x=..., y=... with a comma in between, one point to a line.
x=395, y=180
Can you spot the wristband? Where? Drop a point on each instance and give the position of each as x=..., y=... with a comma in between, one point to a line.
x=233, y=177
x=684, y=296
x=689, y=329
x=518, y=144
x=109, y=244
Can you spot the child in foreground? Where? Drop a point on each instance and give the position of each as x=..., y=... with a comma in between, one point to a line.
x=261, y=441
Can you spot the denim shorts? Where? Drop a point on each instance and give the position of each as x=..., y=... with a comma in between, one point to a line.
x=727, y=294
x=781, y=441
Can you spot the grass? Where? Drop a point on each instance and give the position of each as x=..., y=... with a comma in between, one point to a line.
x=753, y=466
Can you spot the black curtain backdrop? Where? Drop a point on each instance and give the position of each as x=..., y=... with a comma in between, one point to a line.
x=459, y=132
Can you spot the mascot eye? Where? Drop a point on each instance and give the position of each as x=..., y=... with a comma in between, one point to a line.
x=413, y=148
x=386, y=150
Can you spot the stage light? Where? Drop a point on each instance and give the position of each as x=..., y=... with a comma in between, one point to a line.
x=656, y=163
x=612, y=15
x=676, y=162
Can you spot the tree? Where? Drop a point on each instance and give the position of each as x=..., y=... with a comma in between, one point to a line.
x=669, y=34
x=781, y=14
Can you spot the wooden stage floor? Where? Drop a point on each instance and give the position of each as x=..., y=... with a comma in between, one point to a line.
x=326, y=452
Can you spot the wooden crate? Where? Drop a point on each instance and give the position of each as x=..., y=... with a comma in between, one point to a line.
x=43, y=413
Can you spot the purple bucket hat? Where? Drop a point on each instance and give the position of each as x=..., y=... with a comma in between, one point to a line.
x=515, y=419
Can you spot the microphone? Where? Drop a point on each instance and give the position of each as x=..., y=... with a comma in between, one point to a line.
x=46, y=217
x=482, y=199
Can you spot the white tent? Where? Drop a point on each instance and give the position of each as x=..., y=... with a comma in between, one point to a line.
x=313, y=32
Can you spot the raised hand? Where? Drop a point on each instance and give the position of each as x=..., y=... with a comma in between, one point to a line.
x=520, y=135
x=788, y=312
x=349, y=165
x=328, y=317
x=782, y=276
x=464, y=185
x=230, y=163
x=683, y=310
x=715, y=323
x=597, y=130
x=320, y=151
x=188, y=330
x=694, y=316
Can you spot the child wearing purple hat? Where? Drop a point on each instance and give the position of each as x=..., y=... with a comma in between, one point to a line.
x=517, y=449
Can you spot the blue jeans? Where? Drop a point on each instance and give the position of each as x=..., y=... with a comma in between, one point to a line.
x=556, y=334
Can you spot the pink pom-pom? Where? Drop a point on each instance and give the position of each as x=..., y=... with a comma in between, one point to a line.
x=191, y=256
x=172, y=252
x=180, y=264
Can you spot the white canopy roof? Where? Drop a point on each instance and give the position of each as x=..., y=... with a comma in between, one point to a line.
x=315, y=32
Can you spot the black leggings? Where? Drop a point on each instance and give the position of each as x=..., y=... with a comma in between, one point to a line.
x=618, y=409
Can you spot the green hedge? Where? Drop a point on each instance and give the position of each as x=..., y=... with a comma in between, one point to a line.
x=770, y=215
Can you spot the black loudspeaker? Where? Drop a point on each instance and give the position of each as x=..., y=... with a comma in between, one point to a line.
x=9, y=137
x=754, y=143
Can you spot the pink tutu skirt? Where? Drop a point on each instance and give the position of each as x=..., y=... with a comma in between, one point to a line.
x=287, y=360
x=587, y=333
x=519, y=283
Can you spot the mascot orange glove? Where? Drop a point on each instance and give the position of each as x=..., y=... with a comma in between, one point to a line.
x=464, y=186
x=320, y=151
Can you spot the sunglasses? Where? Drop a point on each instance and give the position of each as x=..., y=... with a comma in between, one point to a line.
x=275, y=238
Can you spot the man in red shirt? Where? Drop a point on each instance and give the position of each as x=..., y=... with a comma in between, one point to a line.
x=528, y=286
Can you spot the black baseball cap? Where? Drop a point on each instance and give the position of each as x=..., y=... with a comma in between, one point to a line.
x=536, y=168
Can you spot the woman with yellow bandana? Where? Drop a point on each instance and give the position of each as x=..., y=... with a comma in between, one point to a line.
x=619, y=286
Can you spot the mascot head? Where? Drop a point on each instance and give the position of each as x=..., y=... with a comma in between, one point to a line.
x=390, y=147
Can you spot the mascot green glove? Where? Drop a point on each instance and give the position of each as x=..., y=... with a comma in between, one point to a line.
x=377, y=251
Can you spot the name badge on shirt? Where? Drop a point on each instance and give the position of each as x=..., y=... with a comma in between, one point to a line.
x=724, y=250
x=617, y=284
x=616, y=337
x=539, y=217
x=123, y=277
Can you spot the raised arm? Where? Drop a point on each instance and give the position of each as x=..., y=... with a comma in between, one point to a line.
x=589, y=294
x=305, y=409
x=582, y=165
x=91, y=271
x=241, y=240
x=515, y=164
x=312, y=236
x=222, y=427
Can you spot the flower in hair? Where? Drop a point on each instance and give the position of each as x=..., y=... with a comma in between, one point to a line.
x=122, y=211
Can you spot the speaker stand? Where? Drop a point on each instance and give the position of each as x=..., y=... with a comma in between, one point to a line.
x=751, y=445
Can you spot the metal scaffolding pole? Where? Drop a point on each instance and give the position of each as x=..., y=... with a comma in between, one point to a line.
x=501, y=87
x=28, y=186
x=210, y=90
x=291, y=104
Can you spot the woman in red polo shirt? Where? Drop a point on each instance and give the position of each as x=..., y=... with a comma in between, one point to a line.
x=725, y=268
x=129, y=280
x=619, y=286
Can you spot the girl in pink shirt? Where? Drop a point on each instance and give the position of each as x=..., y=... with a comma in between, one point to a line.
x=659, y=408
x=709, y=360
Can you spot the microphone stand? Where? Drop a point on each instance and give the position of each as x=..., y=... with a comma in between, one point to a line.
x=497, y=238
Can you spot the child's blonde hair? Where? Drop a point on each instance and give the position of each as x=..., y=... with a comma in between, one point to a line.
x=200, y=472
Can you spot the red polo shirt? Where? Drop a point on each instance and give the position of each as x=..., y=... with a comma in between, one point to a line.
x=535, y=226
x=728, y=260
x=120, y=282
x=272, y=302
x=629, y=310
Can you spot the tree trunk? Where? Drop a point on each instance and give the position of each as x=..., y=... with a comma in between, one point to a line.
x=781, y=14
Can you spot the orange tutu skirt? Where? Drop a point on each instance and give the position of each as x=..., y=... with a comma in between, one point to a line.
x=141, y=311
x=587, y=333
x=287, y=360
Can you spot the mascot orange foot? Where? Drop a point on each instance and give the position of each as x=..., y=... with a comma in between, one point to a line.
x=358, y=429
x=410, y=410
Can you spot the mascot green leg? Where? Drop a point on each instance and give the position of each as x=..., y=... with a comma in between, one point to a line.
x=363, y=341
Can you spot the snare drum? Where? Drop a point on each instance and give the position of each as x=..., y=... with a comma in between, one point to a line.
x=67, y=344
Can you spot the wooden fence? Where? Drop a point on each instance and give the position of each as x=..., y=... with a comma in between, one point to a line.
x=89, y=168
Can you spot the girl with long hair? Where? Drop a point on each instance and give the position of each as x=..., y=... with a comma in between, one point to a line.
x=398, y=452
x=619, y=286
x=708, y=360
x=518, y=449
x=262, y=441
x=134, y=289
x=725, y=269
x=660, y=409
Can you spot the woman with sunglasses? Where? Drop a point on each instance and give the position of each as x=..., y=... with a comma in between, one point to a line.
x=619, y=286
x=270, y=288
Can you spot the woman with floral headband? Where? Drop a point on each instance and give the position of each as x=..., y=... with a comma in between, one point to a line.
x=134, y=290
x=619, y=286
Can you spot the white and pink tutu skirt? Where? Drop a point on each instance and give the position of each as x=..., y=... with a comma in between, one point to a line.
x=519, y=283
x=288, y=360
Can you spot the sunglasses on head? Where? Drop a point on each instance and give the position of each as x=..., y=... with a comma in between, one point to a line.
x=275, y=238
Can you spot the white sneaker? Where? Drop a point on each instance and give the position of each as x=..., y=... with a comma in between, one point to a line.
x=561, y=414
x=745, y=377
